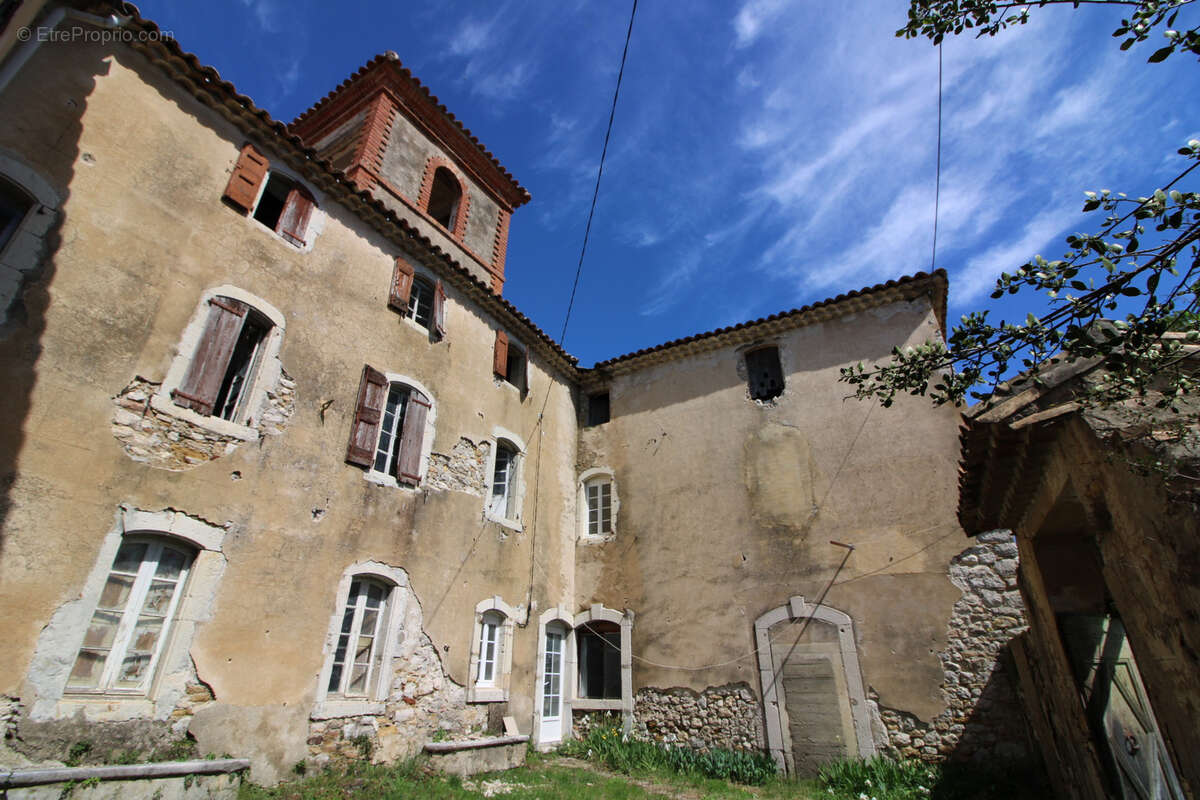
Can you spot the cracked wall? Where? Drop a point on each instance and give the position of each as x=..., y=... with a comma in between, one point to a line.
x=162, y=440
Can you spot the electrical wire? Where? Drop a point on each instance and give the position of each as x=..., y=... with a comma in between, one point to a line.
x=937, y=183
x=587, y=231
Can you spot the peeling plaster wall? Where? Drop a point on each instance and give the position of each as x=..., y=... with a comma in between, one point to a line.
x=743, y=497
x=142, y=167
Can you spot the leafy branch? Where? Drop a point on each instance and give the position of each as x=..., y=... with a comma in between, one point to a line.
x=1101, y=275
x=934, y=19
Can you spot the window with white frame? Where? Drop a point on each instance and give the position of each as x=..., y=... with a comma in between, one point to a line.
x=227, y=358
x=388, y=435
x=503, y=502
x=598, y=504
x=358, y=654
x=598, y=492
x=270, y=197
x=132, y=619
x=489, y=648
x=491, y=651
x=599, y=662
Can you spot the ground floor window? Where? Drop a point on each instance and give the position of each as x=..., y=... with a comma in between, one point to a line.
x=358, y=653
x=132, y=618
x=599, y=646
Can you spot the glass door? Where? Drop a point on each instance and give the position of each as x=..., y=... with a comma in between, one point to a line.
x=552, y=688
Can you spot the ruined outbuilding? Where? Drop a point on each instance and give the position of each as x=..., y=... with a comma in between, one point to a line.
x=287, y=477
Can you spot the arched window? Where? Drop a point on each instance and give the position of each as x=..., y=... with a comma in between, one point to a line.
x=598, y=504
x=14, y=205
x=505, y=497
x=392, y=431
x=491, y=651
x=445, y=196
x=133, y=616
x=227, y=357
x=282, y=204
x=28, y=209
x=358, y=655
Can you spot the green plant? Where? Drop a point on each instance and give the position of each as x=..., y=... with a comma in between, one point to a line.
x=125, y=757
x=365, y=746
x=300, y=768
x=441, y=735
x=606, y=743
x=77, y=752
x=880, y=778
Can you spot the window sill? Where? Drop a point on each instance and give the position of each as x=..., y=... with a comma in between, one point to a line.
x=511, y=524
x=487, y=694
x=595, y=704
x=161, y=402
x=333, y=709
x=416, y=326
x=383, y=479
x=588, y=538
x=98, y=706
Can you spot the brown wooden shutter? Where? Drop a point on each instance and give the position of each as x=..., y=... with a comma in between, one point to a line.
x=199, y=388
x=412, y=435
x=439, y=310
x=293, y=222
x=402, y=281
x=247, y=177
x=368, y=410
x=523, y=375
x=500, y=354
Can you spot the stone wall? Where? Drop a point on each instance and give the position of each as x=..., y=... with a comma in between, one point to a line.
x=423, y=702
x=726, y=717
x=463, y=470
x=175, y=444
x=983, y=718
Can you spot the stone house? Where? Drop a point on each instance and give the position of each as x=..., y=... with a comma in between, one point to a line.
x=286, y=475
x=1109, y=565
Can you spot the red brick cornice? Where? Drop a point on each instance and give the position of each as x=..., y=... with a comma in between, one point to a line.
x=384, y=73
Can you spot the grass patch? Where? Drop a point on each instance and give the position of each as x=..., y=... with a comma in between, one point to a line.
x=607, y=745
x=883, y=779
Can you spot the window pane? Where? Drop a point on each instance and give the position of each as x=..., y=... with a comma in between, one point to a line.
x=420, y=302
x=116, y=592
x=129, y=557
x=102, y=630
x=88, y=666
x=390, y=427
x=358, y=680
x=145, y=635
x=158, y=597
x=170, y=564
x=133, y=670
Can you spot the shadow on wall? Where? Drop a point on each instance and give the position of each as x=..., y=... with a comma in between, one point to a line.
x=53, y=159
x=995, y=754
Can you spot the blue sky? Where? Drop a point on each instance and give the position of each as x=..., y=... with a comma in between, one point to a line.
x=766, y=153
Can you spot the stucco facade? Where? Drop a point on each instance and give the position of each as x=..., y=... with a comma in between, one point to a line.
x=500, y=560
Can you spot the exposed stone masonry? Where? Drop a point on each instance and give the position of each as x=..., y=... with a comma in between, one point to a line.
x=423, y=701
x=461, y=471
x=174, y=444
x=983, y=718
x=725, y=717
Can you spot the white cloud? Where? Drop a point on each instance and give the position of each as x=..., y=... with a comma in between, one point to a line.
x=752, y=17
x=1040, y=234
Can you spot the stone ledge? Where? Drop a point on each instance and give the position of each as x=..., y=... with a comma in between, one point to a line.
x=473, y=744
x=163, y=769
x=472, y=756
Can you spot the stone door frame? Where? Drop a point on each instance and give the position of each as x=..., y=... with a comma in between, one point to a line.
x=780, y=746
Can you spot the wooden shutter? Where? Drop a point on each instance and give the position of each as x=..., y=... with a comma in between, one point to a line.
x=199, y=388
x=412, y=436
x=247, y=177
x=368, y=410
x=402, y=281
x=523, y=376
x=500, y=354
x=293, y=222
x=439, y=310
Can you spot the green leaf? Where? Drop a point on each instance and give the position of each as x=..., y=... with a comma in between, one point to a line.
x=1161, y=54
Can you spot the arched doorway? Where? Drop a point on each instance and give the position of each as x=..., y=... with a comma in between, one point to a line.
x=812, y=688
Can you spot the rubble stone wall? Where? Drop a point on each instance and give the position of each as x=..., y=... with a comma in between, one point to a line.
x=724, y=717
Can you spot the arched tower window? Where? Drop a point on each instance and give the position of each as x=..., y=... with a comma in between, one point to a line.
x=445, y=196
